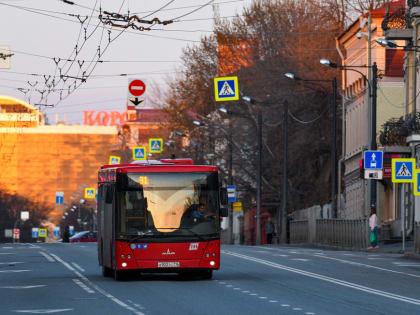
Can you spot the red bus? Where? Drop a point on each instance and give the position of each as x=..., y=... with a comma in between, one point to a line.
x=159, y=216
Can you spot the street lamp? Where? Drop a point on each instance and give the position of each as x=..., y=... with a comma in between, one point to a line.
x=333, y=133
x=198, y=123
x=373, y=98
x=387, y=43
x=259, y=165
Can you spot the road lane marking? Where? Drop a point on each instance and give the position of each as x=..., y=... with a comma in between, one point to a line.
x=297, y=309
x=83, y=286
x=343, y=283
x=285, y=305
x=7, y=247
x=300, y=259
x=368, y=266
x=6, y=253
x=97, y=288
x=280, y=255
x=48, y=257
x=14, y=270
x=263, y=297
x=19, y=287
x=273, y=301
x=44, y=311
x=78, y=267
x=11, y=263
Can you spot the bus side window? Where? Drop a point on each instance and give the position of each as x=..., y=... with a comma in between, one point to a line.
x=109, y=195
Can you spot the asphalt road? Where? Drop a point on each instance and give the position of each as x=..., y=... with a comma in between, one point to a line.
x=65, y=278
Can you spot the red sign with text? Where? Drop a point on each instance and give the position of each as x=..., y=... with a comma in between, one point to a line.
x=103, y=118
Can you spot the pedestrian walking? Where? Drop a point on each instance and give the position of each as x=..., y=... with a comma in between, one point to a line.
x=66, y=235
x=269, y=230
x=373, y=225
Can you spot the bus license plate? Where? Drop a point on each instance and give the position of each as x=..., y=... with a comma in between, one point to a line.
x=168, y=264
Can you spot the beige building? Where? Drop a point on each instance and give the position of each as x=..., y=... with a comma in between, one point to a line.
x=353, y=47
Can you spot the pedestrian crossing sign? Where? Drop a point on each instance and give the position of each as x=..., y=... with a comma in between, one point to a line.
x=226, y=89
x=139, y=153
x=416, y=190
x=403, y=170
x=155, y=145
x=114, y=160
x=42, y=232
x=90, y=193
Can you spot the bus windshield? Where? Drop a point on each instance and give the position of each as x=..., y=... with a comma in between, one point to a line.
x=168, y=204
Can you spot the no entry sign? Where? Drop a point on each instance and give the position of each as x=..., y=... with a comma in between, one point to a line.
x=137, y=88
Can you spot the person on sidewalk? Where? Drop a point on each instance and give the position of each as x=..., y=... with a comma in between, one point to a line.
x=373, y=224
x=269, y=230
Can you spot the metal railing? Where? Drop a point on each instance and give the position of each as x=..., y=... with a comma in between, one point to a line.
x=340, y=232
x=299, y=231
x=334, y=232
x=417, y=237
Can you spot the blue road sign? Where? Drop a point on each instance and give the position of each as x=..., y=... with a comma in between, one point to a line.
x=59, y=197
x=231, y=190
x=155, y=145
x=226, y=88
x=139, y=153
x=71, y=230
x=374, y=160
x=403, y=170
x=57, y=231
x=35, y=233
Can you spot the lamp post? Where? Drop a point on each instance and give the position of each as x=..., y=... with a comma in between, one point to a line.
x=259, y=166
x=333, y=109
x=373, y=98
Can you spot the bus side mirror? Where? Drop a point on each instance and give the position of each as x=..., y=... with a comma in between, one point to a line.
x=224, y=212
x=109, y=194
x=223, y=196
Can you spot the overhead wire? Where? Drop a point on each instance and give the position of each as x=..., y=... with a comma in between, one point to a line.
x=309, y=121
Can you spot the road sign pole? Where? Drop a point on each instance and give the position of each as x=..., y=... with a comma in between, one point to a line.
x=230, y=180
x=282, y=224
x=259, y=176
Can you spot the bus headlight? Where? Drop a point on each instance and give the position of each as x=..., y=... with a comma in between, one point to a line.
x=125, y=264
x=212, y=263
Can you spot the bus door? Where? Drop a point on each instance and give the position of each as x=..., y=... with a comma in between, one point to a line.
x=108, y=235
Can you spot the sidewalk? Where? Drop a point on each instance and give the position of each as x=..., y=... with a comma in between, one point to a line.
x=394, y=248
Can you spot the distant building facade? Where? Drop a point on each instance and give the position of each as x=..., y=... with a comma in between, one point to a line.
x=37, y=160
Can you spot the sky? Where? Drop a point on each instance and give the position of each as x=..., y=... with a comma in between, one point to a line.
x=42, y=36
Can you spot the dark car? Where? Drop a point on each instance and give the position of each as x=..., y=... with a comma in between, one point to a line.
x=84, y=236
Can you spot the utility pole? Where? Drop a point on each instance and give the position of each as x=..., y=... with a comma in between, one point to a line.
x=371, y=196
x=373, y=128
x=334, y=149
x=259, y=175
x=230, y=181
x=283, y=220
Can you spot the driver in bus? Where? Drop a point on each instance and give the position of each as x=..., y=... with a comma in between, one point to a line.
x=202, y=213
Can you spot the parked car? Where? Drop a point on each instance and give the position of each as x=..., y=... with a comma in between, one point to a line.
x=84, y=236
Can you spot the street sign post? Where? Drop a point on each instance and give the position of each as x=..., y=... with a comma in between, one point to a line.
x=35, y=233
x=59, y=197
x=374, y=160
x=403, y=170
x=226, y=89
x=237, y=206
x=57, y=231
x=139, y=153
x=155, y=145
x=90, y=193
x=231, y=190
x=416, y=190
x=136, y=93
x=42, y=232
